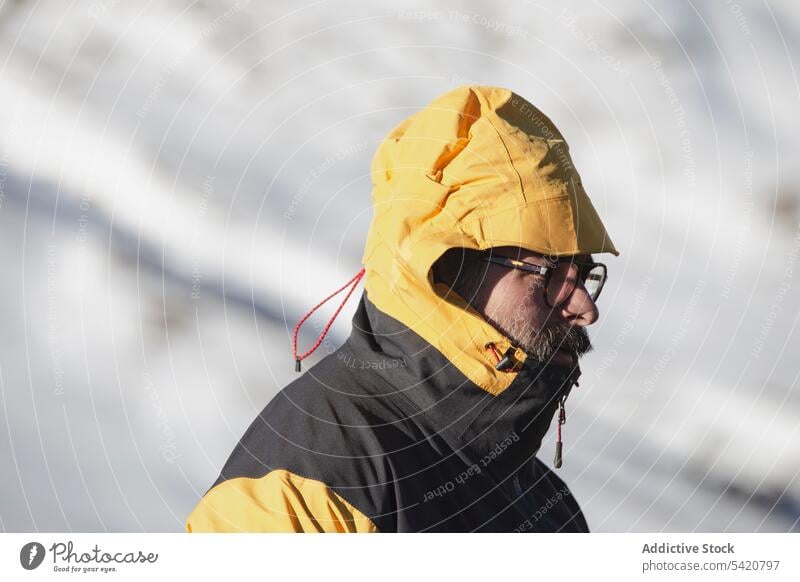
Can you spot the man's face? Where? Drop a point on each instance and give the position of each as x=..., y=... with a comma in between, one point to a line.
x=513, y=301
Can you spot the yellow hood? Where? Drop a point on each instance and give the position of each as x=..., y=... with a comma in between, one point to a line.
x=479, y=167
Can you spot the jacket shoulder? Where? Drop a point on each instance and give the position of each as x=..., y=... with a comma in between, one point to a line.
x=332, y=431
x=280, y=501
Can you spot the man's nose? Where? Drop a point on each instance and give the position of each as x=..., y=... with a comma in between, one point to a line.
x=579, y=308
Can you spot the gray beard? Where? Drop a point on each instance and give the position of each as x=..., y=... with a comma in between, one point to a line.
x=539, y=344
x=542, y=344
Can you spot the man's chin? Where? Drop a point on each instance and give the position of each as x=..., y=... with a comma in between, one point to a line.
x=564, y=356
x=558, y=357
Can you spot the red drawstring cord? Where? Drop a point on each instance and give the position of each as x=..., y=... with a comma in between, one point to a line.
x=353, y=283
x=491, y=346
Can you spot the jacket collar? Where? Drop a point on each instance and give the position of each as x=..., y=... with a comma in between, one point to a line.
x=502, y=430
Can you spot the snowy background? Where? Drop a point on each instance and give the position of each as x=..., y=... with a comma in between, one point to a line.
x=180, y=181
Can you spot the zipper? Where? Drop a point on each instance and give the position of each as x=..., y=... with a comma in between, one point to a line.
x=562, y=417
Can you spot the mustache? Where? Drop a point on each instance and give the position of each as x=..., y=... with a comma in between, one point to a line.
x=573, y=338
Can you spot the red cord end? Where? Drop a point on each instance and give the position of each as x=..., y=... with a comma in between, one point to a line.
x=352, y=283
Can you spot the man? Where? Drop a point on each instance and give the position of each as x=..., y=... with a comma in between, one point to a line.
x=479, y=283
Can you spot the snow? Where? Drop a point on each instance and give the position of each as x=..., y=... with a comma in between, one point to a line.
x=180, y=182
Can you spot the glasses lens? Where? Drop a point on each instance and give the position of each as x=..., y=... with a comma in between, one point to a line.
x=565, y=276
x=562, y=282
x=594, y=281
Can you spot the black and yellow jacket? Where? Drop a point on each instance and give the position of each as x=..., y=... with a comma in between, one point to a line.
x=410, y=425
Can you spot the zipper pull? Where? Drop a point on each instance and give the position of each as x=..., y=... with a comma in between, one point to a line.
x=508, y=363
x=562, y=418
x=562, y=413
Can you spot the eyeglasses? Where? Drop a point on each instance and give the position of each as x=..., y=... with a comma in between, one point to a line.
x=561, y=278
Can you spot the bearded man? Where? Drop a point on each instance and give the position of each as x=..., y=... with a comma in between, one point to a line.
x=479, y=282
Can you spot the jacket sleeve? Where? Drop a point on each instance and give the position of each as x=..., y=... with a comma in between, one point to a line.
x=280, y=501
